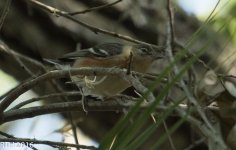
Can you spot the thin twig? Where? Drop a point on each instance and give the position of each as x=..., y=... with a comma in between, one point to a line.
x=5, y=12
x=12, y=137
x=6, y=135
x=116, y=104
x=90, y=27
x=49, y=143
x=22, y=64
x=41, y=110
x=49, y=96
x=94, y=8
x=130, y=63
x=204, y=129
x=74, y=129
x=23, y=87
x=83, y=100
x=169, y=49
x=189, y=55
x=196, y=143
x=15, y=55
x=64, y=107
x=19, y=57
x=168, y=135
x=5, y=49
x=140, y=87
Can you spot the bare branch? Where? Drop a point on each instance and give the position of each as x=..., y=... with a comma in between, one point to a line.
x=49, y=97
x=12, y=137
x=169, y=49
x=217, y=139
x=115, y=104
x=109, y=105
x=94, y=8
x=17, y=56
x=67, y=73
x=41, y=110
x=5, y=49
x=92, y=28
x=49, y=143
x=140, y=87
x=4, y=13
x=195, y=143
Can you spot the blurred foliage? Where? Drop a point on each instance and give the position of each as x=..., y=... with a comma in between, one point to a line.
x=226, y=15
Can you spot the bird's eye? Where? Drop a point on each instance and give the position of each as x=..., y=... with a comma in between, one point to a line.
x=144, y=50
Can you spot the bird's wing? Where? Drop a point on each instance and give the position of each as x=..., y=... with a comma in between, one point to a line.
x=105, y=50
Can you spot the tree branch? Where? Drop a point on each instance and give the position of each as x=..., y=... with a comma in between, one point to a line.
x=25, y=86
x=4, y=12
x=92, y=28
x=94, y=8
x=49, y=143
x=170, y=43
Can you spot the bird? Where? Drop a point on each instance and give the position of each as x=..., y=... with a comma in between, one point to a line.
x=138, y=57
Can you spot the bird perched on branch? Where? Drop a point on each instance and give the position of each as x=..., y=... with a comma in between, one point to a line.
x=134, y=57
